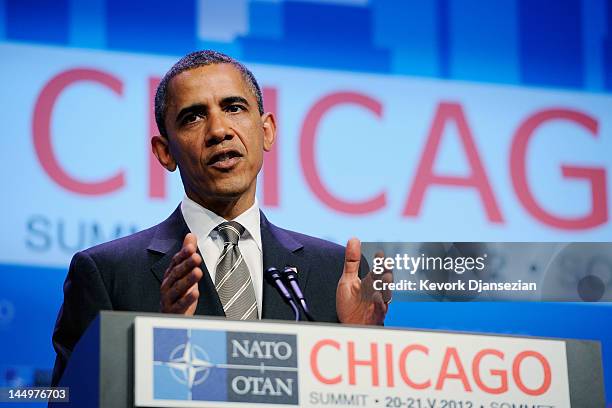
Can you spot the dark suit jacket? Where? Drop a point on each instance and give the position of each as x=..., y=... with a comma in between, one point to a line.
x=126, y=274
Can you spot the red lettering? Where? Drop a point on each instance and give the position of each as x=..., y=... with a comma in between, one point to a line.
x=314, y=365
x=451, y=354
x=389, y=364
x=270, y=181
x=516, y=372
x=307, y=152
x=41, y=131
x=425, y=176
x=353, y=363
x=596, y=176
x=404, y=370
x=502, y=374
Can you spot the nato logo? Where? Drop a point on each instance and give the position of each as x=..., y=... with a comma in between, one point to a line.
x=213, y=365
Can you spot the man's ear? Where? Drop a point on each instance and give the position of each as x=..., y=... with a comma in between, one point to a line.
x=269, y=126
x=161, y=150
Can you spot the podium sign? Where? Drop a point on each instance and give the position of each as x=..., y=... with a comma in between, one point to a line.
x=221, y=363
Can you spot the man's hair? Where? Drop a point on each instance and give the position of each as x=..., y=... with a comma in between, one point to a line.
x=195, y=60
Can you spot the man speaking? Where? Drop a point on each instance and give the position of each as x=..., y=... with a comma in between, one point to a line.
x=208, y=257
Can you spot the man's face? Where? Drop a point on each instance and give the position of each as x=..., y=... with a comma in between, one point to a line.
x=216, y=135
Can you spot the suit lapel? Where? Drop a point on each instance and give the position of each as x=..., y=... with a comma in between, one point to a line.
x=280, y=249
x=167, y=241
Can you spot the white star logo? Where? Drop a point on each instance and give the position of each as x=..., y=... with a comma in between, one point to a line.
x=189, y=364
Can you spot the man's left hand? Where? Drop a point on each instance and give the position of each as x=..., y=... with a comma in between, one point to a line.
x=357, y=302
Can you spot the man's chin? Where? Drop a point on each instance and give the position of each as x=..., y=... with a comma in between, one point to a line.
x=231, y=192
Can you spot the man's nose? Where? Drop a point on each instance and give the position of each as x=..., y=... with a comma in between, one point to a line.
x=218, y=128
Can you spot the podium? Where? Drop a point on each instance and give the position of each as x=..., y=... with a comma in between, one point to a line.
x=128, y=359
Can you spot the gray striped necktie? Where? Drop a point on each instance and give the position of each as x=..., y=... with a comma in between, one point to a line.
x=232, y=277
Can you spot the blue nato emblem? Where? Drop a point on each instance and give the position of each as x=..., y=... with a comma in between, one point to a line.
x=213, y=365
x=189, y=365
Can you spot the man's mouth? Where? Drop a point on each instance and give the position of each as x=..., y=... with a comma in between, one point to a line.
x=224, y=159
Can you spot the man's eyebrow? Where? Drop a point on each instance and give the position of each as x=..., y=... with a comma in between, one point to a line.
x=228, y=100
x=195, y=108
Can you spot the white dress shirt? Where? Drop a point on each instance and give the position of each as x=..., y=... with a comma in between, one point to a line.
x=202, y=223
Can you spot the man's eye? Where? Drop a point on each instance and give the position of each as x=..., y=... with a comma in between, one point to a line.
x=192, y=117
x=235, y=108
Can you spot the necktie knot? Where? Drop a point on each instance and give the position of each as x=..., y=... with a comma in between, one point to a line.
x=230, y=232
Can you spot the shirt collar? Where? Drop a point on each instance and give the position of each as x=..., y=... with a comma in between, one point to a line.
x=201, y=221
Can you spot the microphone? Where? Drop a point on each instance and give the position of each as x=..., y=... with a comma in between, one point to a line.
x=273, y=277
x=290, y=278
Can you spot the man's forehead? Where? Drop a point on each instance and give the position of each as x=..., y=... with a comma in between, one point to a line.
x=219, y=80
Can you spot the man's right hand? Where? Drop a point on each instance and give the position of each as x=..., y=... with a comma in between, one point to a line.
x=179, y=288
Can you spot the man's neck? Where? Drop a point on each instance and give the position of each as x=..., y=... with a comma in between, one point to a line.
x=227, y=209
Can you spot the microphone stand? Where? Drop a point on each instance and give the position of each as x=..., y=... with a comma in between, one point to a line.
x=273, y=276
x=289, y=276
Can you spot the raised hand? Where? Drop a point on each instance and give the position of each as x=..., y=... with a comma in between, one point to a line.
x=357, y=302
x=179, y=288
